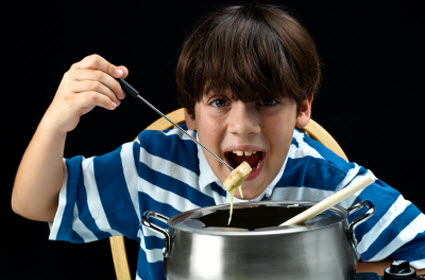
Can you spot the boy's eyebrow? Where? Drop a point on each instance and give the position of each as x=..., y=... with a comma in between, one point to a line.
x=212, y=92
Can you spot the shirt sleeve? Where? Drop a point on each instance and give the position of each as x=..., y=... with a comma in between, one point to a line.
x=99, y=197
x=396, y=230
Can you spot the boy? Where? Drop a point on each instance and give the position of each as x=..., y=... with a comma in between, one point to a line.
x=246, y=77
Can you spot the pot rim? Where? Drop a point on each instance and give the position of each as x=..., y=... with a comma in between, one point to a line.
x=177, y=222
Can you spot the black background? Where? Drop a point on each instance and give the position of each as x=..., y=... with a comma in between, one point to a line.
x=370, y=99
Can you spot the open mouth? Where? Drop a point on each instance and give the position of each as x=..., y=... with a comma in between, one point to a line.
x=253, y=158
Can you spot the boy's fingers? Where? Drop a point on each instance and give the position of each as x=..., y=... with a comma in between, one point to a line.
x=124, y=70
x=102, y=77
x=91, y=99
x=95, y=86
x=96, y=62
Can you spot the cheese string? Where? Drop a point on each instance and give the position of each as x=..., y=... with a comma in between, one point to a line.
x=234, y=181
x=232, y=195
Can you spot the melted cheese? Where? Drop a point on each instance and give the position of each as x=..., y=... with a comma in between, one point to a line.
x=234, y=181
x=232, y=195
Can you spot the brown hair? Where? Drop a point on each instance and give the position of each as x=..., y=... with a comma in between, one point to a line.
x=254, y=51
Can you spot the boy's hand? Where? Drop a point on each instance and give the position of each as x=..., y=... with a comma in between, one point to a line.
x=88, y=83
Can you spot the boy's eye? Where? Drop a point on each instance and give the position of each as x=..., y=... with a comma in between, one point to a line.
x=268, y=102
x=219, y=102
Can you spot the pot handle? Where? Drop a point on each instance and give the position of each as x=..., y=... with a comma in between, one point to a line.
x=167, y=239
x=360, y=219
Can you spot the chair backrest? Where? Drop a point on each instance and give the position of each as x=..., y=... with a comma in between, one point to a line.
x=313, y=129
x=317, y=132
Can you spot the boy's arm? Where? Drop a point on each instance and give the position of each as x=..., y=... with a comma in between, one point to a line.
x=89, y=83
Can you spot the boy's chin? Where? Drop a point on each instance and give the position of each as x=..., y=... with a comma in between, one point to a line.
x=251, y=191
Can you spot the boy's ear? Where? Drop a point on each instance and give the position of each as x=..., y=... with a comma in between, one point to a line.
x=304, y=114
x=189, y=119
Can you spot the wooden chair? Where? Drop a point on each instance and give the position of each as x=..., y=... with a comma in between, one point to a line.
x=313, y=129
x=317, y=132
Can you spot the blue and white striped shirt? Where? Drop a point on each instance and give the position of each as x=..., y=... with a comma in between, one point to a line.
x=106, y=195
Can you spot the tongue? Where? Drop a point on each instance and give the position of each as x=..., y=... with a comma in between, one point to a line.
x=251, y=160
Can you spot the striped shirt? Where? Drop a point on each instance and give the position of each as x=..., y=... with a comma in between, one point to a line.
x=164, y=171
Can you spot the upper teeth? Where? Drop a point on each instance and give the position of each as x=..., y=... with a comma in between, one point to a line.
x=246, y=153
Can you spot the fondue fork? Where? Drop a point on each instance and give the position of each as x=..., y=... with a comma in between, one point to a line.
x=134, y=93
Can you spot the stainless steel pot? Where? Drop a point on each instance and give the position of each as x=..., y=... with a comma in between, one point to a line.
x=200, y=245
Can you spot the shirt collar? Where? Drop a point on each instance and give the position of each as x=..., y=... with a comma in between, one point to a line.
x=206, y=175
x=269, y=190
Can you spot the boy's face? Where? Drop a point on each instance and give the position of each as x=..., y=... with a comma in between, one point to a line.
x=257, y=132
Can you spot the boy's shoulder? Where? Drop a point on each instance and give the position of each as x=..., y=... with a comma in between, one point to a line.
x=170, y=144
x=304, y=147
x=312, y=164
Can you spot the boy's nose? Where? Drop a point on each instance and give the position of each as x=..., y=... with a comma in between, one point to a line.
x=243, y=119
